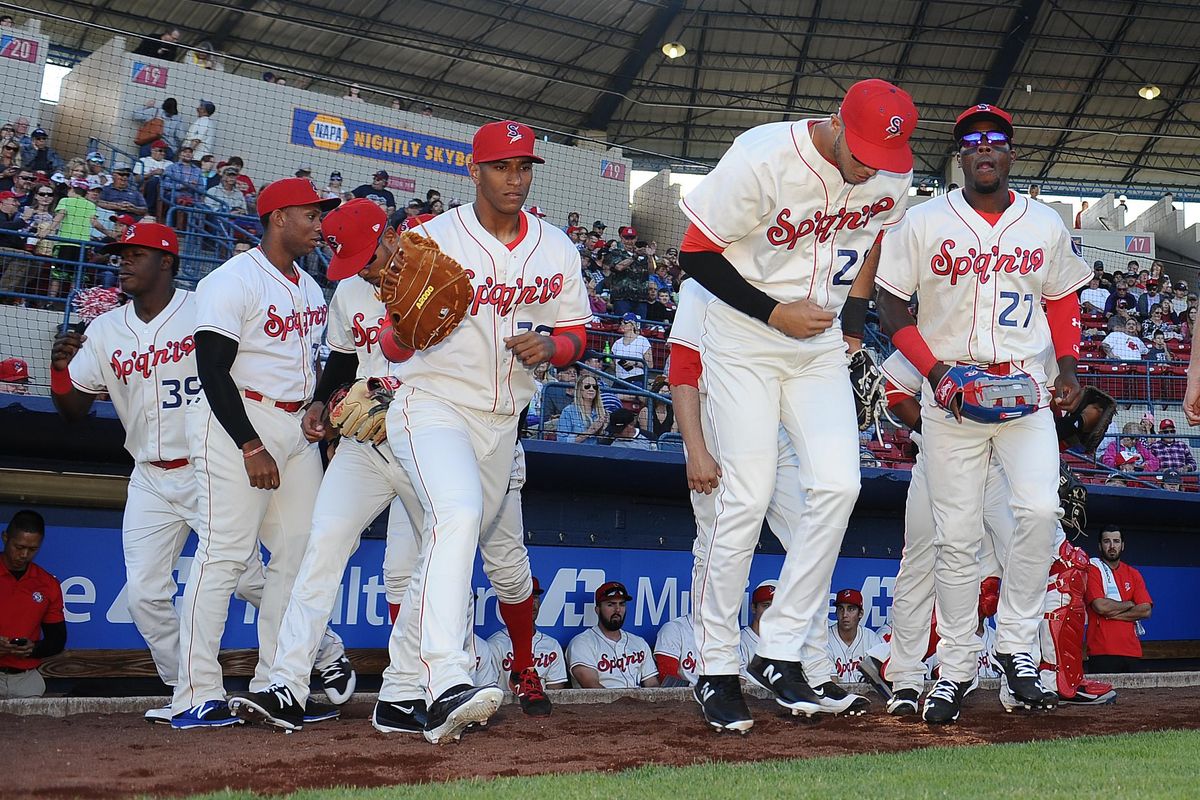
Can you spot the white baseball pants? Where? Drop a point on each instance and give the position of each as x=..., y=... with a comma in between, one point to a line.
x=400, y=548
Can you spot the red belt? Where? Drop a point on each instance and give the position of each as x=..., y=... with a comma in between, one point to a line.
x=994, y=369
x=291, y=408
x=173, y=464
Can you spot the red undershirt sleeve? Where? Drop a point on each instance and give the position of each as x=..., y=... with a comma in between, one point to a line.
x=685, y=366
x=1065, y=327
x=568, y=345
x=694, y=241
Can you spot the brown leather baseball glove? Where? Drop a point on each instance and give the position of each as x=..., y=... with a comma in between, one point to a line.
x=426, y=292
x=359, y=410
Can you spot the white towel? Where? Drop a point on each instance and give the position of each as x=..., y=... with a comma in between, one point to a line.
x=1111, y=591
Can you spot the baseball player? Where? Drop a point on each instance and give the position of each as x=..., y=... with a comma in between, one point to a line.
x=779, y=229
x=760, y=600
x=785, y=512
x=142, y=355
x=675, y=652
x=453, y=422
x=548, y=657
x=361, y=481
x=259, y=322
x=606, y=657
x=848, y=639
x=981, y=261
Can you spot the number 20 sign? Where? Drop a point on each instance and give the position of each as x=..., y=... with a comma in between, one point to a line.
x=149, y=75
x=19, y=49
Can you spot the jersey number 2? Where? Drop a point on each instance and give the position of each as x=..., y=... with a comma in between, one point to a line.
x=190, y=387
x=1008, y=317
x=851, y=257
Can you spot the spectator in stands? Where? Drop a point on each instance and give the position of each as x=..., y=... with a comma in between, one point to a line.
x=227, y=196
x=1172, y=453
x=1158, y=349
x=555, y=399
x=604, y=656
x=172, y=125
x=202, y=133
x=597, y=303
x=622, y=431
x=436, y=207
x=1117, y=602
x=632, y=345
x=353, y=93
x=599, y=228
x=6, y=21
x=96, y=176
x=40, y=156
x=1079, y=217
x=377, y=192
x=21, y=185
x=662, y=309
x=1189, y=324
x=1130, y=451
x=1120, y=299
x=75, y=170
x=1034, y=191
x=202, y=56
x=10, y=161
x=153, y=165
x=1179, y=300
x=1093, y=298
x=181, y=181
x=32, y=625
x=14, y=260
x=1148, y=298
x=662, y=420
x=120, y=196
x=209, y=172
x=581, y=421
x=1156, y=324
x=572, y=221
x=74, y=219
x=627, y=283
x=163, y=47
x=333, y=190
x=608, y=398
x=1123, y=342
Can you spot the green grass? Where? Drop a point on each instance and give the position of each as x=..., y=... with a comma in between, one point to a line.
x=1163, y=764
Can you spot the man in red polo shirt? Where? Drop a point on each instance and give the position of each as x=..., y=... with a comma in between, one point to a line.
x=32, y=626
x=1117, y=601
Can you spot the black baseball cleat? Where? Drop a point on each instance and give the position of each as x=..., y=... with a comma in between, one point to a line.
x=275, y=706
x=1021, y=684
x=836, y=700
x=527, y=686
x=786, y=679
x=459, y=707
x=405, y=716
x=339, y=680
x=720, y=698
x=316, y=711
x=904, y=702
x=872, y=669
x=944, y=702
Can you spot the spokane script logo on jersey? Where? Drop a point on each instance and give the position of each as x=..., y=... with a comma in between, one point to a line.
x=278, y=327
x=620, y=663
x=365, y=337
x=542, y=661
x=786, y=233
x=505, y=298
x=982, y=265
x=844, y=668
x=689, y=662
x=124, y=365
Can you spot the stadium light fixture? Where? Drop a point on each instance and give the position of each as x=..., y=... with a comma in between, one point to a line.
x=1149, y=92
x=673, y=50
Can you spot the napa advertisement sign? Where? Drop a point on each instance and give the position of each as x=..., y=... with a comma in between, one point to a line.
x=381, y=142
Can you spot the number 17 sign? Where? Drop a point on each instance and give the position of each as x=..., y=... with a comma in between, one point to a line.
x=149, y=75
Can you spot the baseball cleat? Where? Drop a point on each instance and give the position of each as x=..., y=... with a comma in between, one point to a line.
x=944, y=702
x=458, y=708
x=904, y=702
x=1091, y=693
x=275, y=706
x=159, y=716
x=527, y=686
x=209, y=714
x=836, y=700
x=338, y=680
x=872, y=669
x=971, y=686
x=1021, y=684
x=316, y=711
x=786, y=679
x=720, y=698
x=405, y=716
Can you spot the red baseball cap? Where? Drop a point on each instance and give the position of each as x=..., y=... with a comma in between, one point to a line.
x=613, y=590
x=14, y=370
x=537, y=587
x=414, y=223
x=124, y=219
x=1166, y=425
x=879, y=118
x=628, y=232
x=161, y=144
x=497, y=141
x=537, y=212
x=852, y=596
x=764, y=592
x=292, y=192
x=10, y=195
x=154, y=235
x=353, y=231
x=979, y=112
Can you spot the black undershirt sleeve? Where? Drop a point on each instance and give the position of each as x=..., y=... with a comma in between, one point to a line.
x=715, y=273
x=214, y=358
x=340, y=368
x=54, y=639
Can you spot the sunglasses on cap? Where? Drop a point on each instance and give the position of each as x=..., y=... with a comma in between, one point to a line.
x=976, y=138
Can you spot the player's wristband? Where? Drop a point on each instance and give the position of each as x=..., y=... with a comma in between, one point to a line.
x=911, y=343
x=391, y=349
x=568, y=345
x=254, y=452
x=854, y=316
x=60, y=381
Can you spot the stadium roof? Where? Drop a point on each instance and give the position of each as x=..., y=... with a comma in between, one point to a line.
x=1068, y=70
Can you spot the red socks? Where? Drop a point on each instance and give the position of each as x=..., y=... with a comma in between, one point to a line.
x=519, y=619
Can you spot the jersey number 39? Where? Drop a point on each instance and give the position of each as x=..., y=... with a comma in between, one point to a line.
x=190, y=388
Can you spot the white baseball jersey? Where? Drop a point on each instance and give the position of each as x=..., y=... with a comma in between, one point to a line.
x=678, y=640
x=901, y=374
x=483, y=667
x=355, y=317
x=988, y=668
x=277, y=324
x=846, y=657
x=788, y=222
x=981, y=286
x=535, y=286
x=747, y=644
x=622, y=664
x=149, y=370
x=548, y=658
x=689, y=315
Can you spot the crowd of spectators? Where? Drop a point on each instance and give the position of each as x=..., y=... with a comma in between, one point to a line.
x=1142, y=311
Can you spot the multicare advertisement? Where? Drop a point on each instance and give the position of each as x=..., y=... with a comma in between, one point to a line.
x=380, y=142
x=88, y=563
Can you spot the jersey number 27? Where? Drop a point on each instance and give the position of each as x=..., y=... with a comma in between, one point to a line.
x=1012, y=309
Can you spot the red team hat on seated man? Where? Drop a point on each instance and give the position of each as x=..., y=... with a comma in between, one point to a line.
x=764, y=592
x=353, y=231
x=292, y=192
x=879, y=118
x=497, y=141
x=852, y=596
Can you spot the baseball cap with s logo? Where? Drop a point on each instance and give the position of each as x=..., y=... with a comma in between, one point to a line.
x=879, y=119
x=497, y=141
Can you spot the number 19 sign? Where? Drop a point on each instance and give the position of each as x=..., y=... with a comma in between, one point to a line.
x=19, y=49
x=149, y=75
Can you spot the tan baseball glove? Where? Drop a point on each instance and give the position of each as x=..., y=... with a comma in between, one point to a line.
x=425, y=291
x=359, y=411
